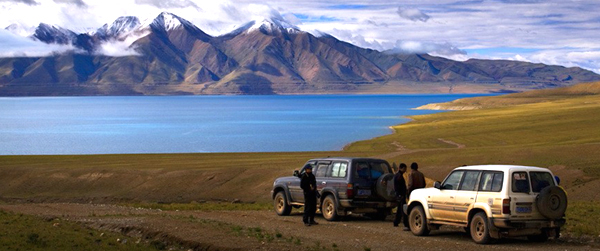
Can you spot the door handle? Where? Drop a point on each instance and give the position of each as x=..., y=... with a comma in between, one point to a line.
x=324, y=182
x=451, y=197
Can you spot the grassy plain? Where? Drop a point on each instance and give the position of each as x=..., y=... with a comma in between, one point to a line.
x=24, y=232
x=556, y=128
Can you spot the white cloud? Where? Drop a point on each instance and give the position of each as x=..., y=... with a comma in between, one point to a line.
x=12, y=45
x=117, y=48
x=169, y=3
x=412, y=14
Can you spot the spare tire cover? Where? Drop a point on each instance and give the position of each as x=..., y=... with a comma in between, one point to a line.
x=385, y=187
x=552, y=202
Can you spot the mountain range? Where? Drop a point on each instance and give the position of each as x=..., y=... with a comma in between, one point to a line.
x=169, y=55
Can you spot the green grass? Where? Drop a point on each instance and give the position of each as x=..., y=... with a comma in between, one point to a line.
x=24, y=232
x=583, y=219
x=204, y=206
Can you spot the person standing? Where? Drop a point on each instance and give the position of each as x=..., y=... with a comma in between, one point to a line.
x=308, y=183
x=400, y=188
x=416, y=179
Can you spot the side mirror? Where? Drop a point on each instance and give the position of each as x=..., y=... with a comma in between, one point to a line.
x=297, y=173
x=437, y=185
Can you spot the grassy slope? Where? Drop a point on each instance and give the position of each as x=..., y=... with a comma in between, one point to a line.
x=519, y=98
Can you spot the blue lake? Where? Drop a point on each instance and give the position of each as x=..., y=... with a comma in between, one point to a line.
x=186, y=124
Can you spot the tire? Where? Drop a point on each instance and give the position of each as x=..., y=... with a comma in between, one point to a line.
x=417, y=221
x=480, y=229
x=385, y=187
x=552, y=202
x=329, y=208
x=281, y=205
x=543, y=237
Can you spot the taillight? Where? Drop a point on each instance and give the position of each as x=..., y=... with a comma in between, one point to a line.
x=506, y=206
x=350, y=191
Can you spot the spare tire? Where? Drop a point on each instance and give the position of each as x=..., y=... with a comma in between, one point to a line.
x=385, y=187
x=552, y=202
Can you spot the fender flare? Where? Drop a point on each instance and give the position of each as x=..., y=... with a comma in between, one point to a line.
x=286, y=191
x=331, y=191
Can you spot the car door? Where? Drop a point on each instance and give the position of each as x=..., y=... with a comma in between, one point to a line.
x=336, y=178
x=321, y=174
x=466, y=195
x=441, y=204
x=294, y=186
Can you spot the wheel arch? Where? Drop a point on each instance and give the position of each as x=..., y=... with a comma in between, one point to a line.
x=474, y=211
x=285, y=191
x=326, y=192
x=415, y=203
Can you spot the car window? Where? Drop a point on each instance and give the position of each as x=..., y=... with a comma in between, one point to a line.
x=338, y=170
x=520, y=182
x=491, y=181
x=335, y=170
x=540, y=180
x=377, y=169
x=321, y=170
x=343, y=169
x=470, y=180
x=362, y=170
x=451, y=183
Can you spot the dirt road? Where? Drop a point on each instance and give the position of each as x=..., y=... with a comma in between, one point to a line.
x=263, y=230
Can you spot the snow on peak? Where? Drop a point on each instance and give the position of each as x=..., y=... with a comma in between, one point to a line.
x=167, y=21
x=272, y=25
x=54, y=34
x=120, y=27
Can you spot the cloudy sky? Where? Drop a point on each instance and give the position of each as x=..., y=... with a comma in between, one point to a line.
x=563, y=32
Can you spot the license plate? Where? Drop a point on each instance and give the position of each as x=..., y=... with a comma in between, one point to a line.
x=364, y=192
x=523, y=210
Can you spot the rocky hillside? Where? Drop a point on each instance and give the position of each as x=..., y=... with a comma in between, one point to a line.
x=172, y=56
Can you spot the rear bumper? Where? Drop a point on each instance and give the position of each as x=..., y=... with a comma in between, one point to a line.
x=527, y=224
x=348, y=203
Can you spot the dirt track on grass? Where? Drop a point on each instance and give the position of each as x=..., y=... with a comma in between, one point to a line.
x=263, y=230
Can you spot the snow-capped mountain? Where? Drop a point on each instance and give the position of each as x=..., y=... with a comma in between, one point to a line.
x=120, y=28
x=267, y=26
x=54, y=34
x=273, y=25
x=266, y=56
x=167, y=21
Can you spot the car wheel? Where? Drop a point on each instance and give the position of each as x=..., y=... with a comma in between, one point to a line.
x=552, y=202
x=329, y=208
x=281, y=205
x=418, y=221
x=543, y=237
x=480, y=229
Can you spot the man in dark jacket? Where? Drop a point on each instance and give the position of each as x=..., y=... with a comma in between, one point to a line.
x=308, y=183
x=400, y=188
x=416, y=179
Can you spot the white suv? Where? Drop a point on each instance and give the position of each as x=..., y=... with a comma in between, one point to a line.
x=491, y=202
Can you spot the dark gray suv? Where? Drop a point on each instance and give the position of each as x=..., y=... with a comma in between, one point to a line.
x=346, y=185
